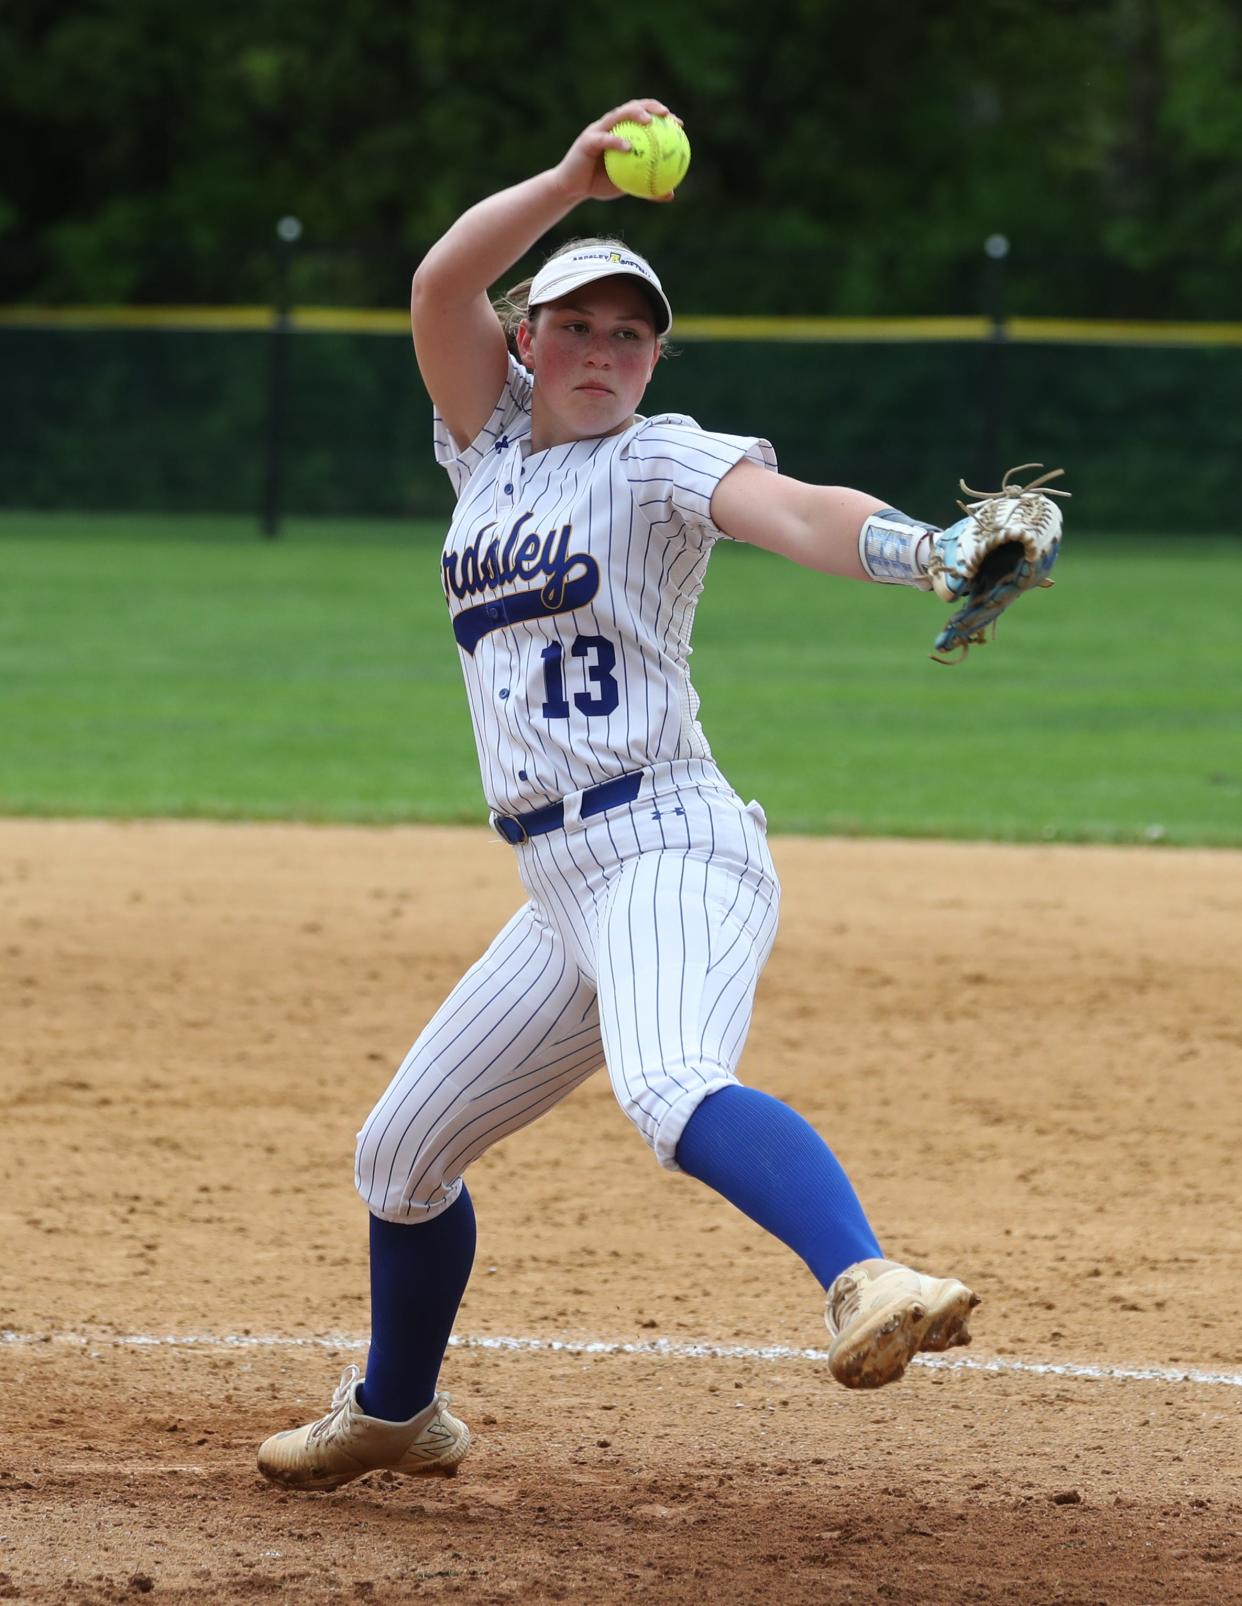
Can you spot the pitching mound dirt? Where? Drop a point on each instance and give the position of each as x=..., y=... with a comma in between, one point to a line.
x=1028, y=1058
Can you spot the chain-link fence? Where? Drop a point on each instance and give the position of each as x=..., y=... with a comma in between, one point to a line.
x=230, y=411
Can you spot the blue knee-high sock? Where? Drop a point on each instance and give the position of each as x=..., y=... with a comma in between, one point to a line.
x=418, y=1275
x=774, y=1166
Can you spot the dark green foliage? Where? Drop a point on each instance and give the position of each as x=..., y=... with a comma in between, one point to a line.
x=847, y=158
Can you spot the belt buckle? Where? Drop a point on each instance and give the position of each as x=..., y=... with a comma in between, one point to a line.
x=513, y=825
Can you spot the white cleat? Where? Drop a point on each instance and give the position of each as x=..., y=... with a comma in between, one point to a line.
x=345, y=1444
x=881, y=1314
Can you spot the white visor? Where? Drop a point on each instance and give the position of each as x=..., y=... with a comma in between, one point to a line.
x=570, y=271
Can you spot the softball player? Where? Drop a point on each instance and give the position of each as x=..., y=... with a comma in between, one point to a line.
x=571, y=570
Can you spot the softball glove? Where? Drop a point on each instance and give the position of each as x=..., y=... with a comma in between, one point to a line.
x=1006, y=545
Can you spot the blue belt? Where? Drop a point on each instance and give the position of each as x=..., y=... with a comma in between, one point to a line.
x=518, y=828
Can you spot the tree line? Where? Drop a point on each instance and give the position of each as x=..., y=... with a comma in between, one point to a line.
x=847, y=159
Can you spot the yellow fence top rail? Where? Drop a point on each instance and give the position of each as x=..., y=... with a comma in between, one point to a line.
x=345, y=320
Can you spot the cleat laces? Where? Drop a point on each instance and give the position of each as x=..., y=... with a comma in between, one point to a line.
x=329, y=1426
x=847, y=1292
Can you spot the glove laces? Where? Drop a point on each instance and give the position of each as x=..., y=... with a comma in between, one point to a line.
x=1015, y=492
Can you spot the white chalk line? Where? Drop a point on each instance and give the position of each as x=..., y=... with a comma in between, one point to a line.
x=658, y=1348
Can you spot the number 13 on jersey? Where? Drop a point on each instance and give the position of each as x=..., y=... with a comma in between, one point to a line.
x=602, y=694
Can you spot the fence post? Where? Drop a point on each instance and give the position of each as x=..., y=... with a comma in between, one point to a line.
x=288, y=233
x=996, y=250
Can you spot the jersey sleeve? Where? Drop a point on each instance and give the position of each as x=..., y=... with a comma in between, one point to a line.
x=674, y=467
x=509, y=418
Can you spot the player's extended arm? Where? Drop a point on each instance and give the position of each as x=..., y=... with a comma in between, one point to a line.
x=1005, y=545
x=457, y=336
x=817, y=526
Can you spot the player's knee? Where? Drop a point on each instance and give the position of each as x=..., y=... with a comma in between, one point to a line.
x=639, y=1112
x=402, y=1179
x=661, y=1099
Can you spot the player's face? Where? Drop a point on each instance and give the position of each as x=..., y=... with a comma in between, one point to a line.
x=592, y=354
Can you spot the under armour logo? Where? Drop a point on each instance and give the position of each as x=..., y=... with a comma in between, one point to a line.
x=656, y=815
x=502, y=444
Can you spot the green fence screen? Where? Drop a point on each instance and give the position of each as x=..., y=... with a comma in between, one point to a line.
x=176, y=420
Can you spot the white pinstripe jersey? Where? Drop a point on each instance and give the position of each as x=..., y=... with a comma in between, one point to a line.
x=572, y=577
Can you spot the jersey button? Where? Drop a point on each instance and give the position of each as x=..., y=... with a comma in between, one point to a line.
x=508, y=490
x=522, y=776
x=504, y=694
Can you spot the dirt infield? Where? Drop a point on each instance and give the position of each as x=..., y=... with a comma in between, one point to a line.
x=1030, y=1059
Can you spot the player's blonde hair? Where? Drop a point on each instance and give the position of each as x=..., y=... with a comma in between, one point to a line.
x=512, y=306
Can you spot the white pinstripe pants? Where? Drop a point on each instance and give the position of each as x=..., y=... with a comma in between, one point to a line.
x=641, y=946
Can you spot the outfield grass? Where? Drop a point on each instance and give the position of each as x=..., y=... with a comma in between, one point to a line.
x=184, y=667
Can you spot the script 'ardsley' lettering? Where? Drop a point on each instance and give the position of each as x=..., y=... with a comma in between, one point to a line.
x=493, y=560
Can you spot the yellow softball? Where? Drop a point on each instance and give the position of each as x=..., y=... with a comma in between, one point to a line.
x=656, y=161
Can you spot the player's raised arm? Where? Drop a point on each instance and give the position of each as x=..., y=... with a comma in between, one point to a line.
x=457, y=336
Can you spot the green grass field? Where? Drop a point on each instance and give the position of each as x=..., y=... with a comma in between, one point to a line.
x=184, y=667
